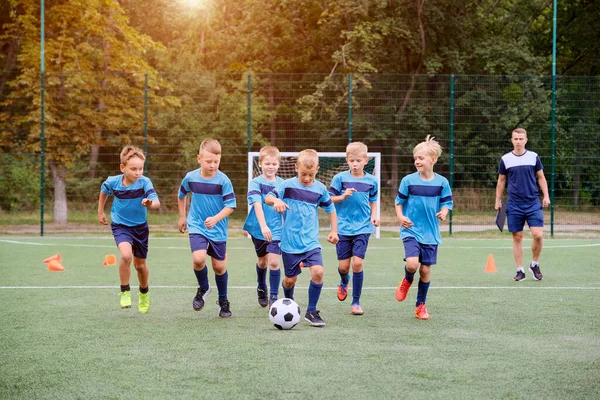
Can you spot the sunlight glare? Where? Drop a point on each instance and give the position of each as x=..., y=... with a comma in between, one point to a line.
x=194, y=4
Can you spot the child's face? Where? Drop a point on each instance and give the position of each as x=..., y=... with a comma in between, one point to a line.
x=306, y=175
x=357, y=163
x=269, y=166
x=424, y=161
x=132, y=170
x=209, y=164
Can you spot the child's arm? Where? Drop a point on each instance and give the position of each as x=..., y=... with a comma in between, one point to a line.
x=181, y=225
x=374, y=219
x=278, y=204
x=405, y=222
x=151, y=204
x=442, y=214
x=260, y=216
x=347, y=193
x=210, y=222
x=101, y=202
x=333, y=235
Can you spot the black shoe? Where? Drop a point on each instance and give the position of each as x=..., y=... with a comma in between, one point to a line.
x=537, y=274
x=520, y=276
x=263, y=299
x=314, y=318
x=200, y=298
x=225, y=312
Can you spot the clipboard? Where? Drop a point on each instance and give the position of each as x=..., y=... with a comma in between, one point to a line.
x=501, y=217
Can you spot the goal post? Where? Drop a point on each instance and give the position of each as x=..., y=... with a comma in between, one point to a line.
x=330, y=164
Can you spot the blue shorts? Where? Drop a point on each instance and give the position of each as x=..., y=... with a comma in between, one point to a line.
x=217, y=250
x=137, y=236
x=262, y=247
x=427, y=253
x=291, y=262
x=517, y=214
x=355, y=245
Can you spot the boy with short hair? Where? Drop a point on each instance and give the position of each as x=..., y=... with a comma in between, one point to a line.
x=423, y=198
x=354, y=193
x=264, y=225
x=133, y=195
x=212, y=201
x=297, y=199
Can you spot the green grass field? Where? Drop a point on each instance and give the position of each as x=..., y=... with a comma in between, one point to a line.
x=64, y=336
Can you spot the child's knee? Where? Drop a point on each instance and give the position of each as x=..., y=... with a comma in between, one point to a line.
x=412, y=264
x=288, y=282
x=126, y=257
x=357, y=264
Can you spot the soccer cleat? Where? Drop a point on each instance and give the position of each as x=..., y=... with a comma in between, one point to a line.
x=144, y=302
x=535, y=270
x=200, y=298
x=356, y=309
x=126, y=299
x=520, y=276
x=314, y=318
x=342, y=292
x=225, y=312
x=263, y=299
x=421, y=312
x=402, y=290
x=272, y=299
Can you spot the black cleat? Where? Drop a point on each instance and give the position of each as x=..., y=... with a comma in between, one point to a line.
x=263, y=299
x=520, y=276
x=225, y=312
x=537, y=274
x=314, y=318
x=200, y=298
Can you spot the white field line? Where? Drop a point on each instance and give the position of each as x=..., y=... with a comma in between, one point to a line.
x=114, y=287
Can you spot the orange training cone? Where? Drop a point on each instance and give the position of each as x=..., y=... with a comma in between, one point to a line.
x=55, y=257
x=491, y=265
x=110, y=259
x=54, y=265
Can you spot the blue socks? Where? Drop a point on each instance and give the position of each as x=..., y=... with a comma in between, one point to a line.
x=314, y=291
x=345, y=277
x=202, y=278
x=261, y=278
x=288, y=293
x=357, y=283
x=409, y=276
x=222, y=285
x=274, y=278
x=422, y=292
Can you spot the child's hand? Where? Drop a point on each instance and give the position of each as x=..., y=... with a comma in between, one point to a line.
x=280, y=206
x=442, y=214
x=210, y=222
x=333, y=238
x=182, y=225
x=348, y=192
x=267, y=233
x=102, y=219
x=405, y=222
x=146, y=202
x=375, y=222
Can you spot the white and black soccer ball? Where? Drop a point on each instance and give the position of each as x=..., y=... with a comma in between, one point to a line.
x=284, y=314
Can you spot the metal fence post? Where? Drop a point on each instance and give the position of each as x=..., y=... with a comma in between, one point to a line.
x=349, y=108
x=43, y=116
x=553, y=128
x=146, y=120
x=451, y=144
x=249, y=106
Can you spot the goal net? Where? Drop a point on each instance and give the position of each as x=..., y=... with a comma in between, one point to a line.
x=330, y=164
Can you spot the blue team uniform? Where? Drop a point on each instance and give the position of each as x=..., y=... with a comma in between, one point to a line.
x=354, y=213
x=127, y=208
x=258, y=189
x=421, y=201
x=208, y=198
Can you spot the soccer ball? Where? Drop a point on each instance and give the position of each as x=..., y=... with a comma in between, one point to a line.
x=284, y=314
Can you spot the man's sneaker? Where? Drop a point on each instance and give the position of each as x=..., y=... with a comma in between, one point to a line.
x=126, y=299
x=356, y=309
x=535, y=270
x=200, y=298
x=421, y=312
x=314, y=318
x=342, y=292
x=263, y=299
x=520, y=276
x=402, y=290
x=144, y=302
x=225, y=312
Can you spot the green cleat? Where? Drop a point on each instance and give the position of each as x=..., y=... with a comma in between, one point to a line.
x=126, y=299
x=144, y=302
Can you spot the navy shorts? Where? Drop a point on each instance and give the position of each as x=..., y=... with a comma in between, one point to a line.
x=355, y=245
x=517, y=214
x=137, y=236
x=427, y=253
x=291, y=262
x=262, y=247
x=217, y=250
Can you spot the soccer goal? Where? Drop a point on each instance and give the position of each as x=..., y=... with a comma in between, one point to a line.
x=330, y=164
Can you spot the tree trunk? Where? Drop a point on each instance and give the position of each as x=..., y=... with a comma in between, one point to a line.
x=60, y=193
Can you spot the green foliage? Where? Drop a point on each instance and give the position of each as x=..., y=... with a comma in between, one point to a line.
x=19, y=183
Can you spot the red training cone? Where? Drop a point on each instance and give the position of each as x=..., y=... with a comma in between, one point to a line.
x=491, y=265
x=110, y=259
x=54, y=265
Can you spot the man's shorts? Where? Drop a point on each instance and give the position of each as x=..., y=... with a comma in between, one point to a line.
x=262, y=247
x=291, y=262
x=355, y=245
x=517, y=214
x=137, y=236
x=427, y=253
x=217, y=250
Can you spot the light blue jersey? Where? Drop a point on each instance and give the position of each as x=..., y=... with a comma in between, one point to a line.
x=300, y=231
x=421, y=200
x=354, y=213
x=521, y=172
x=209, y=197
x=127, y=208
x=258, y=189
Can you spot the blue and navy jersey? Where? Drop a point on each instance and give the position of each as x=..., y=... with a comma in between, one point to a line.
x=258, y=189
x=300, y=231
x=520, y=174
x=127, y=208
x=208, y=198
x=421, y=200
x=354, y=213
